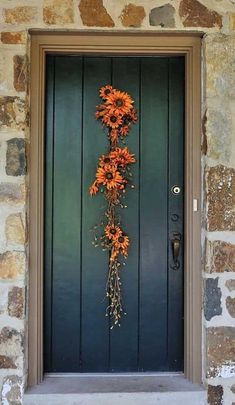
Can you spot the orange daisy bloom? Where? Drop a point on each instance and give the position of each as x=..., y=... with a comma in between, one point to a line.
x=105, y=160
x=109, y=176
x=111, y=119
x=112, y=232
x=122, y=156
x=93, y=189
x=119, y=102
x=122, y=243
x=130, y=117
x=105, y=91
x=133, y=115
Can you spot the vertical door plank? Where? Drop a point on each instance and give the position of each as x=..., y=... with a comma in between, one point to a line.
x=176, y=219
x=153, y=219
x=124, y=340
x=67, y=213
x=49, y=157
x=95, y=328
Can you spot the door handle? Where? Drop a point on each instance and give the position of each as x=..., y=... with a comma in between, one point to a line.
x=175, y=242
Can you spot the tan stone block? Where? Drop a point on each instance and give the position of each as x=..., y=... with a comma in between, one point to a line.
x=12, y=193
x=6, y=75
x=219, y=62
x=94, y=14
x=20, y=15
x=58, y=12
x=195, y=14
x=132, y=15
x=18, y=37
x=12, y=265
x=16, y=302
x=232, y=21
x=219, y=133
x=230, y=284
x=220, y=351
x=7, y=362
x=12, y=112
x=230, y=305
x=11, y=342
x=15, y=229
x=221, y=257
x=221, y=198
x=20, y=72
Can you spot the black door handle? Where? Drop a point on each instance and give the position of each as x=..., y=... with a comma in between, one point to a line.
x=175, y=242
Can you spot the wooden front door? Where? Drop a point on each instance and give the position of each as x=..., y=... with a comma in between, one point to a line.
x=77, y=335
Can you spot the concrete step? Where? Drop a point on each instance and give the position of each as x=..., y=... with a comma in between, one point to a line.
x=119, y=389
x=140, y=398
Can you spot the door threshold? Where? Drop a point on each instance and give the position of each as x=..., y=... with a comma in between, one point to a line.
x=96, y=384
x=116, y=375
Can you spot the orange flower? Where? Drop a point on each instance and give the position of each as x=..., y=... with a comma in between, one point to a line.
x=133, y=115
x=122, y=156
x=105, y=160
x=109, y=176
x=130, y=117
x=105, y=91
x=112, y=232
x=124, y=130
x=93, y=189
x=119, y=102
x=122, y=243
x=111, y=119
x=101, y=111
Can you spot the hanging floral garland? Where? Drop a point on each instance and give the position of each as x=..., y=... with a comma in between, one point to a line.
x=113, y=177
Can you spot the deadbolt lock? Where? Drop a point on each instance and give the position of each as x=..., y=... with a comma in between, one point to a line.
x=175, y=190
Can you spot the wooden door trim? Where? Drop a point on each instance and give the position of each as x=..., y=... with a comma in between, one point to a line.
x=121, y=43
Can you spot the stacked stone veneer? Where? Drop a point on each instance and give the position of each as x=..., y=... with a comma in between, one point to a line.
x=216, y=18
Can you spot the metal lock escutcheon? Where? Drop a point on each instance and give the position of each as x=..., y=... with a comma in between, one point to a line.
x=175, y=190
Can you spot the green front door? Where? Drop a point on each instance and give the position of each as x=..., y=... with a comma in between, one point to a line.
x=77, y=335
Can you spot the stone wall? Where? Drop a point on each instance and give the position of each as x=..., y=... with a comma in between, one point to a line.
x=216, y=18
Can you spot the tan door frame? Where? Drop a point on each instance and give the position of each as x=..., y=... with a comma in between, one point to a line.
x=137, y=43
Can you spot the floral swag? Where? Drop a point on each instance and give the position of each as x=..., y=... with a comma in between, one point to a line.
x=113, y=177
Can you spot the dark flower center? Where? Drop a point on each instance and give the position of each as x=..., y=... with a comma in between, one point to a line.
x=113, y=231
x=119, y=102
x=122, y=157
x=107, y=91
x=106, y=160
x=121, y=239
x=109, y=176
x=113, y=118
